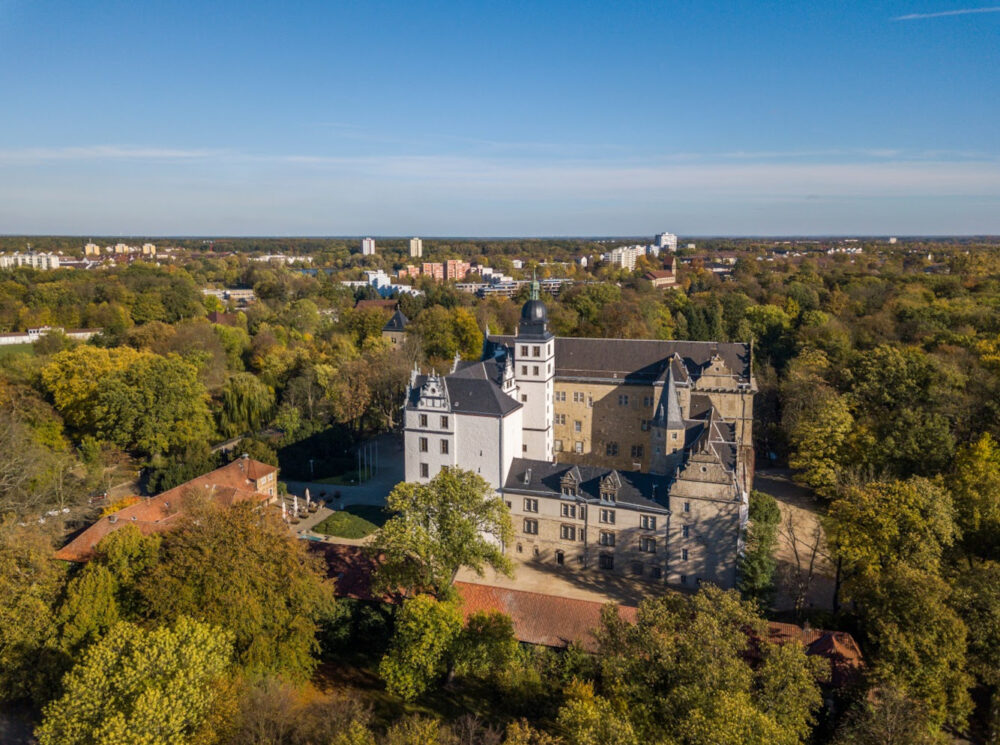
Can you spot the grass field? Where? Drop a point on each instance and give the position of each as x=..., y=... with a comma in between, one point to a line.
x=352, y=522
x=16, y=350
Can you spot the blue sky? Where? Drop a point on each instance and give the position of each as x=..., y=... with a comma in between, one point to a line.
x=500, y=118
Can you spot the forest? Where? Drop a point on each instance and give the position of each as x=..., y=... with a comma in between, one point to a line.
x=879, y=388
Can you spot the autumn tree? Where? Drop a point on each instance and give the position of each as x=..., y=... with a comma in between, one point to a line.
x=218, y=560
x=140, y=686
x=425, y=631
x=975, y=488
x=247, y=403
x=456, y=520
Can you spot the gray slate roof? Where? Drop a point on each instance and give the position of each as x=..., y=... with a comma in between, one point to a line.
x=398, y=322
x=637, y=489
x=471, y=390
x=640, y=361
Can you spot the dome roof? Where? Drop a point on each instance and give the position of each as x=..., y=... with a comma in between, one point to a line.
x=534, y=311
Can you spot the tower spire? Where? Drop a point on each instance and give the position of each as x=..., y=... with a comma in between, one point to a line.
x=534, y=284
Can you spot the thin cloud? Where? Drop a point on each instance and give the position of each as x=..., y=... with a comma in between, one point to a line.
x=946, y=13
x=104, y=152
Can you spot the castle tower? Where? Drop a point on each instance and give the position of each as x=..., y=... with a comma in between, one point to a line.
x=534, y=373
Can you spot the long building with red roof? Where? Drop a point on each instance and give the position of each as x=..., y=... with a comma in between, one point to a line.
x=243, y=480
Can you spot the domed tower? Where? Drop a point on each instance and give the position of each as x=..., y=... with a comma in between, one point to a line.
x=534, y=372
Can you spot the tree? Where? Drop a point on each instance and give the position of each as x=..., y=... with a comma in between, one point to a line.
x=425, y=631
x=589, y=719
x=486, y=646
x=153, y=406
x=975, y=488
x=247, y=404
x=140, y=686
x=888, y=717
x=976, y=598
x=917, y=641
x=892, y=522
x=30, y=584
x=667, y=671
x=74, y=377
x=456, y=520
x=818, y=436
x=756, y=566
x=88, y=610
x=221, y=559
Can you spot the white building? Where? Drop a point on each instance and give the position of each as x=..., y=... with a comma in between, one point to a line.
x=368, y=246
x=383, y=283
x=42, y=261
x=416, y=248
x=667, y=241
x=623, y=256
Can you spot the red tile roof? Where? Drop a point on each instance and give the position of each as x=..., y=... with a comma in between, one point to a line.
x=232, y=483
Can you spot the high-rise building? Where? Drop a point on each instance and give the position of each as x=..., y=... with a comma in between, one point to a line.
x=667, y=241
x=368, y=246
x=416, y=248
x=91, y=249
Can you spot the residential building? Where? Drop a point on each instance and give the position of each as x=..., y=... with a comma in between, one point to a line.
x=34, y=334
x=91, y=249
x=382, y=283
x=34, y=259
x=148, y=249
x=630, y=456
x=665, y=277
x=243, y=480
x=416, y=248
x=623, y=257
x=368, y=246
x=455, y=269
x=434, y=270
x=666, y=241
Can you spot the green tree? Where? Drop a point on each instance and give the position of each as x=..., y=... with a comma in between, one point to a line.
x=975, y=488
x=425, y=631
x=155, y=405
x=486, y=646
x=916, y=639
x=88, y=610
x=976, y=598
x=140, y=687
x=757, y=565
x=456, y=520
x=589, y=719
x=31, y=582
x=74, y=377
x=885, y=523
x=888, y=717
x=247, y=404
x=218, y=560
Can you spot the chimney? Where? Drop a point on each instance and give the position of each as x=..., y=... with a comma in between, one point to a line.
x=112, y=518
x=245, y=456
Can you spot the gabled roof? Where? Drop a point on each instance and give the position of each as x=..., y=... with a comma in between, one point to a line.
x=472, y=389
x=232, y=483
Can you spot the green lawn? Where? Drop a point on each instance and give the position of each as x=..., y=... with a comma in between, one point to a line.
x=16, y=350
x=353, y=522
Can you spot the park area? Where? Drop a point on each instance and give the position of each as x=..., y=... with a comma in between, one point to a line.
x=355, y=521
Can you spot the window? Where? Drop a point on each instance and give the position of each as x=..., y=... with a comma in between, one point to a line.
x=578, y=397
x=673, y=435
x=684, y=554
x=509, y=505
x=623, y=400
x=524, y=351
x=549, y=368
x=607, y=538
x=423, y=444
x=590, y=401
x=647, y=522
x=684, y=579
x=519, y=548
x=567, y=532
x=424, y=471
x=647, y=545
x=637, y=451
x=687, y=506
x=686, y=531
x=578, y=446
x=644, y=425
x=567, y=510
x=531, y=527
x=524, y=369
x=647, y=400
x=524, y=448
x=655, y=572
x=423, y=420
x=530, y=505
x=560, y=418
x=561, y=397
x=444, y=447
x=557, y=445
x=444, y=422
x=535, y=351
x=606, y=561
x=608, y=516
x=534, y=369
x=560, y=558
x=637, y=568
x=611, y=448
x=577, y=425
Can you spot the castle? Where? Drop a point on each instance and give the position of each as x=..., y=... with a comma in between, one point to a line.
x=621, y=455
